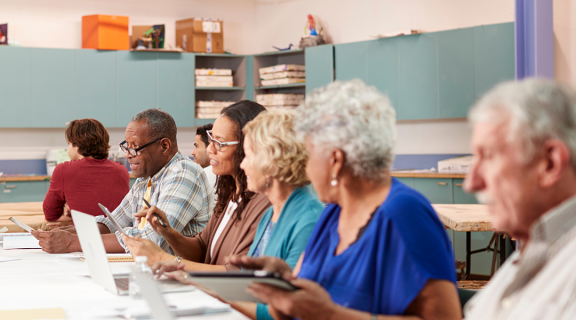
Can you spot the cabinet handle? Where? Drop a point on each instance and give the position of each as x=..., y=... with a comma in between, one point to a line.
x=458, y=184
x=10, y=186
x=442, y=183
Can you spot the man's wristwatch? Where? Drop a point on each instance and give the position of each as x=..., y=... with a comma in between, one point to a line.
x=178, y=259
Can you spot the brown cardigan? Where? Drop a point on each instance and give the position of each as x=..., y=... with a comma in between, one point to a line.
x=237, y=236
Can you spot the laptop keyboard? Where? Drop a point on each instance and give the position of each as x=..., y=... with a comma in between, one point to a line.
x=122, y=283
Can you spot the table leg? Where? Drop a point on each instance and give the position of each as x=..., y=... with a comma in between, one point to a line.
x=502, y=249
x=468, y=253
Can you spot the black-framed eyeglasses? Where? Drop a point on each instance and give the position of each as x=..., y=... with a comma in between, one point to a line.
x=135, y=151
x=217, y=144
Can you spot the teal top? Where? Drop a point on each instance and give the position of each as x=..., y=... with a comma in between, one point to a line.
x=291, y=232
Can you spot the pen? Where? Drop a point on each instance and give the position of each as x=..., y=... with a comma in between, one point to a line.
x=157, y=216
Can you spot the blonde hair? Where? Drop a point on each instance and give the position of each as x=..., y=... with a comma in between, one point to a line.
x=279, y=152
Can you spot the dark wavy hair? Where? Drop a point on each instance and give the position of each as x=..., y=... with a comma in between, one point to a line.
x=240, y=113
x=90, y=136
x=201, y=131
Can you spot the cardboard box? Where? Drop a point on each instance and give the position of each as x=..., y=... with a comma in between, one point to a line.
x=200, y=35
x=137, y=32
x=456, y=165
x=105, y=32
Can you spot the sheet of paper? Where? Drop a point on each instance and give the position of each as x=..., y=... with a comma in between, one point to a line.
x=33, y=314
x=20, y=241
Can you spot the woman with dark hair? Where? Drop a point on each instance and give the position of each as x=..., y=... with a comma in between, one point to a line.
x=231, y=229
x=89, y=178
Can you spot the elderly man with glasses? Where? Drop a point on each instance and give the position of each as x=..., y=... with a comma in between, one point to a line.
x=166, y=179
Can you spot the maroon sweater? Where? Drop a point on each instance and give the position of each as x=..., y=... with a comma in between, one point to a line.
x=83, y=184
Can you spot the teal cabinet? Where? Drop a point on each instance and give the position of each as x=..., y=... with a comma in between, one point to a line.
x=132, y=181
x=375, y=62
x=23, y=191
x=319, y=66
x=461, y=196
x=15, y=87
x=249, y=90
x=53, y=89
x=135, y=84
x=96, y=85
x=493, y=55
x=456, y=87
x=418, y=76
x=436, y=190
x=176, y=86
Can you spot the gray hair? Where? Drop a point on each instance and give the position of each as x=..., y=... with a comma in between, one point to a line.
x=355, y=118
x=538, y=110
x=160, y=124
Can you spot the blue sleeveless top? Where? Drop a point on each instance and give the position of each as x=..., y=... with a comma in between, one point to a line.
x=403, y=247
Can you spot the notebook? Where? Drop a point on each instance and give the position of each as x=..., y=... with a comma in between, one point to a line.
x=20, y=241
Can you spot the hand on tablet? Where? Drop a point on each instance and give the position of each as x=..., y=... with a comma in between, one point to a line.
x=310, y=302
x=270, y=264
x=151, y=215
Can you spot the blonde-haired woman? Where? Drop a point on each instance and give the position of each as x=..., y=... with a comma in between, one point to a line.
x=275, y=164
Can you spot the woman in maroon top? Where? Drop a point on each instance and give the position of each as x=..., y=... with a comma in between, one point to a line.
x=89, y=178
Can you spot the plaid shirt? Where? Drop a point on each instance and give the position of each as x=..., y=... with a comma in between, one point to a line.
x=180, y=189
x=539, y=282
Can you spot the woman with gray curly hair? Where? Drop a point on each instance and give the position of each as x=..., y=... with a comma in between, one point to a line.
x=378, y=249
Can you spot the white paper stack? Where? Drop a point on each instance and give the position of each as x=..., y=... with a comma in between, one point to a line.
x=280, y=100
x=456, y=165
x=20, y=241
x=214, y=78
x=282, y=74
x=210, y=109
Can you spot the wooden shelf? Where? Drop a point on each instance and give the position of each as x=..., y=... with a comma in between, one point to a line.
x=220, y=88
x=280, y=86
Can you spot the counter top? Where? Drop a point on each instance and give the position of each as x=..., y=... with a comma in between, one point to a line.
x=24, y=178
x=407, y=174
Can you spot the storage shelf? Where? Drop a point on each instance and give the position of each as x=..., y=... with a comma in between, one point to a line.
x=221, y=88
x=275, y=53
x=280, y=86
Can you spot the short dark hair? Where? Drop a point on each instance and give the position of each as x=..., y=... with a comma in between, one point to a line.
x=240, y=114
x=90, y=136
x=160, y=124
x=201, y=131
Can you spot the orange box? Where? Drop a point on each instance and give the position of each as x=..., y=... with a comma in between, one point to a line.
x=105, y=32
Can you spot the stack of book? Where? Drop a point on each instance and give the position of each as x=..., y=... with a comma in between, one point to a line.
x=210, y=109
x=280, y=100
x=214, y=78
x=282, y=74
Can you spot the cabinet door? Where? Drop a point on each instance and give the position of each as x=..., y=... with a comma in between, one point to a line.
x=249, y=90
x=375, y=62
x=461, y=196
x=436, y=190
x=96, y=85
x=23, y=191
x=319, y=66
x=407, y=181
x=176, y=86
x=53, y=90
x=493, y=55
x=418, y=76
x=132, y=180
x=456, y=72
x=135, y=84
x=15, y=87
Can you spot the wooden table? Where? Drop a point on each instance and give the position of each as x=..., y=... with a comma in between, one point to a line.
x=469, y=218
x=30, y=213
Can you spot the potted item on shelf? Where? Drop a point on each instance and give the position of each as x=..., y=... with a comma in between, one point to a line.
x=312, y=34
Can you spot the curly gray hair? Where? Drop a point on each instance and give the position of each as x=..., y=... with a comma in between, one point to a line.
x=355, y=118
x=160, y=124
x=538, y=110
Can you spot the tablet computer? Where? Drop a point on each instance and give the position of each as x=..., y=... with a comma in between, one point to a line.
x=232, y=285
x=114, y=222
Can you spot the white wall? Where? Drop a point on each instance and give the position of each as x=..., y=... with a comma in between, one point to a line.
x=281, y=22
x=58, y=23
x=565, y=41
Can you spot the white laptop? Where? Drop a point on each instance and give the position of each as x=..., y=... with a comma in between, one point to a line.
x=98, y=265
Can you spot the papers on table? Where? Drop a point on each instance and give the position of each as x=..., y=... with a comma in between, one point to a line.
x=20, y=241
x=2, y=259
